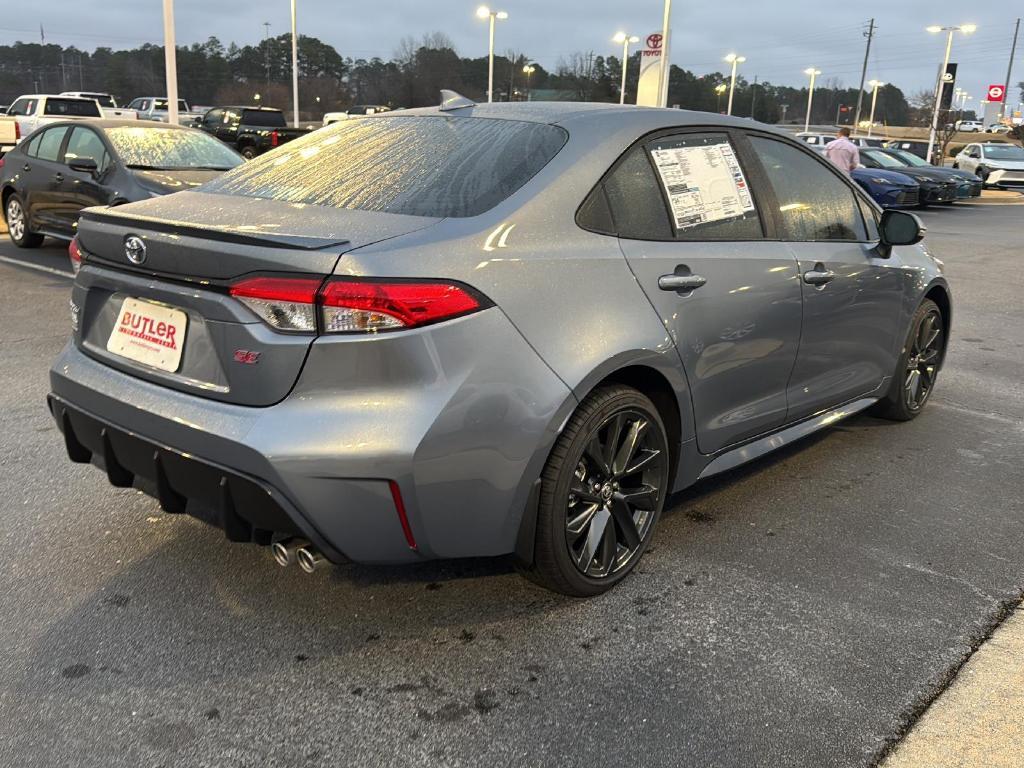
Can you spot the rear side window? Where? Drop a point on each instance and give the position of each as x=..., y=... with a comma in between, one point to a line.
x=71, y=108
x=33, y=145
x=814, y=204
x=416, y=165
x=638, y=209
x=49, y=144
x=263, y=118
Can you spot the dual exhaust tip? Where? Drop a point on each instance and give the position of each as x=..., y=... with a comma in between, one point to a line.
x=288, y=551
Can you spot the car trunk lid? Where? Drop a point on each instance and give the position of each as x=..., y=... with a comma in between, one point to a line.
x=168, y=317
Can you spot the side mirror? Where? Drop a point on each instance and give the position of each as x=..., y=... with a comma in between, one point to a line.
x=899, y=228
x=83, y=165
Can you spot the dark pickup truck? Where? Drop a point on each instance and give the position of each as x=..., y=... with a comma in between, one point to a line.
x=250, y=130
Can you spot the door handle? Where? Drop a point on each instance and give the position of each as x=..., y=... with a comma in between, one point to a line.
x=819, y=276
x=26, y=168
x=680, y=282
x=58, y=177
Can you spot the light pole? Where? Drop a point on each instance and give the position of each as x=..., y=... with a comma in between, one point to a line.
x=875, y=85
x=810, y=96
x=733, y=59
x=295, y=71
x=965, y=29
x=622, y=37
x=528, y=69
x=170, y=63
x=483, y=12
x=719, y=90
x=664, y=68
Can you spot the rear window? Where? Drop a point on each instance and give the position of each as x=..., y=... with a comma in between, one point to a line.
x=417, y=165
x=165, y=148
x=263, y=118
x=71, y=108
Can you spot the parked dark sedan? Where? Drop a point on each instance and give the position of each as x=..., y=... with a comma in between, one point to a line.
x=968, y=185
x=64, y=167
x=888, y=188
x=936, y=185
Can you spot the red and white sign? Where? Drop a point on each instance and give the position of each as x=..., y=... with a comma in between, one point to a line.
x=996, y=92
x=149, y=333
x=648, y=94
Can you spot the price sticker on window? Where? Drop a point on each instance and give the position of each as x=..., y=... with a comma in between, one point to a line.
x=703, y=183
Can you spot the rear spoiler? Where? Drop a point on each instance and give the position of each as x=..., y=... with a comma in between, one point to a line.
x=240, y=235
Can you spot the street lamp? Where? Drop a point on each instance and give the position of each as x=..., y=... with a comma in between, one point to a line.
x=295, y=70
x=483, y=12
x=733, y=59
x=528, y=69
x=965, y=29
x=622, y=37
x=719, y=90
x=875, y=85
x=810, y=95
x=170, y=63
x=256, y=98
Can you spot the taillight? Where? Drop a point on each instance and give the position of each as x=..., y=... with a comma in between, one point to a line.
x=17, y=131
x=347, y=305
x=273, y=138
x=74, y=252
x=284, y=303
x=369, y=305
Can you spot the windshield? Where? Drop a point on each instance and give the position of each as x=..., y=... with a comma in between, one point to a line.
x=884, y=160
x=263, y=118
x=909, y=157
x=71, y=107
x=167, y=148
x=416, y=165
x=1004, y=153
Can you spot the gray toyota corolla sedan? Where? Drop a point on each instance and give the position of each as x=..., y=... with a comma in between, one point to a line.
x=488, y=330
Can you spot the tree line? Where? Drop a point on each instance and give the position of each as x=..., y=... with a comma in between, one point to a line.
x=210, y=73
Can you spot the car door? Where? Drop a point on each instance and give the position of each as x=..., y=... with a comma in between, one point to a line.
x=692, y=231
x=211, y=120
x=79, y=189
x=971, y=158
x=852, y=298
x=47, y=173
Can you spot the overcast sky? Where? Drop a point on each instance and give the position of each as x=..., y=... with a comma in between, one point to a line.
x=779, y=39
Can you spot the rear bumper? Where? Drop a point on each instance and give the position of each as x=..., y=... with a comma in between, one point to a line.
x=461, y=416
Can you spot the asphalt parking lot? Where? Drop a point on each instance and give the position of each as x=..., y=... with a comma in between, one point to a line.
x=800, y=611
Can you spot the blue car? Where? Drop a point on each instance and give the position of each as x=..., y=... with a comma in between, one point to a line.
x=890, y=189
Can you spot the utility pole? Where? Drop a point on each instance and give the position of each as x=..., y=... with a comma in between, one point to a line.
x=863, y=73
x=753, y=97
x=1009, y=71
x=266, y=46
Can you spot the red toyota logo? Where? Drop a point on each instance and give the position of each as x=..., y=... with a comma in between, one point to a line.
x=654, y=41
x=996, y=92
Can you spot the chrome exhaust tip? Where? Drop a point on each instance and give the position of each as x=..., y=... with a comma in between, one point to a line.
x=285, y=550
x=310, y=558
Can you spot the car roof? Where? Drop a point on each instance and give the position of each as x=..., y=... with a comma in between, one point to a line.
x=243, y=106
x=585, y=113
x=53, y=96
x=113, y=122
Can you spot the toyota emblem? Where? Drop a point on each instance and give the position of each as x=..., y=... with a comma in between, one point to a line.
x=135, y=249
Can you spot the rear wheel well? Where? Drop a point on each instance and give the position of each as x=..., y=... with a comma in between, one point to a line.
x=8, y=191
x=656, y=387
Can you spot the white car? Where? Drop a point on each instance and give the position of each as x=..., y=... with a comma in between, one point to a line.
x=997, y=165
x=998, y=128
x=969, y=126
x=816, y=139
x=35, y=110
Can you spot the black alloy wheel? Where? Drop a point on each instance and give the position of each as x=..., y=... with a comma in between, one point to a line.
x=602, y=491
x=918, y=366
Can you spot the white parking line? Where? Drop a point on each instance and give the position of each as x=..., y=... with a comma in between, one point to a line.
x=37, y=267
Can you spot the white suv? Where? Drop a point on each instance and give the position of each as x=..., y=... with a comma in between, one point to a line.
x=996, y=164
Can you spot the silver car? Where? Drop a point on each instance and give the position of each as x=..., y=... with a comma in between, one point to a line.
x=996, y=164
x=510, y=329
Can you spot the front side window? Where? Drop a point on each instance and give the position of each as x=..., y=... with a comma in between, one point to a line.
x=437, y=166
x=814, y=203
x=49, y=144
x=84, y=142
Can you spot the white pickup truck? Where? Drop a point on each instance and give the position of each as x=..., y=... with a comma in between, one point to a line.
x=155, y=108
x=108, y=105
x=30, y=112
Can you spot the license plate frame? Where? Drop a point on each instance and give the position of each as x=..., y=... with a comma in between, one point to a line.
x=149, y=333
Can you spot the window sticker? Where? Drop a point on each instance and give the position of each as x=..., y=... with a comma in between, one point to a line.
x=704, y=183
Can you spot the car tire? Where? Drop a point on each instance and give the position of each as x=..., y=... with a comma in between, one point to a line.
x=248, y=152
x=956, y=166
x=17, y=224
x=602, y=492
x=918, y=366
